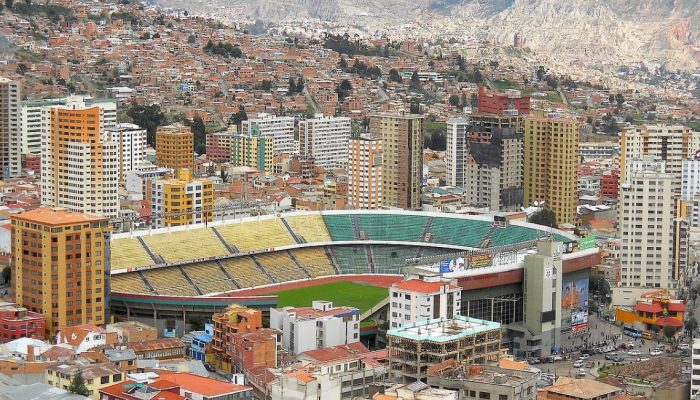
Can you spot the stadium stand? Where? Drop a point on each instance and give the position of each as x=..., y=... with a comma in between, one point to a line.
x=315, y=261
x=209, y=277
x=458, y=231
x=514, y=234
x=408, y=228
x=169, y=281
x=129, y=253
x=257, y=235
x=186, y=245
x=245, y=272
x=129, y=283
x=351, y=259
x=339, y=227
x=391, y=259
x=280, y=266
x=309, y=227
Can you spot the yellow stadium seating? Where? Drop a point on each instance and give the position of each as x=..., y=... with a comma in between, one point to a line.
x=315, y=261
x=244, y=271
x=256, y=235
x=169, y=281
x=310, y=227
x=186, y=245
x=280, y=266
x=209, y=277
x=129, y=283
x=128, y=253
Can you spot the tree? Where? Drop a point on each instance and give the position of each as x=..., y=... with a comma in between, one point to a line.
x=9, y=3
x=6, y=274
x=146, y=36
x=454, y=100
x=670, y=331
x=343, y=89
x=541, y=73
x=415, y=107
x=544, y=217
x=690, y=325
x=300, y=85
x=266, y=85
x=415, y=80
x=394, y=76
x=343, y=64
x=292, y=86
x=200, y=135
x=223, y=174
x=156, y=35
x=237, y=118
x=77, y=384
x=620, y=99
x=147, y=117
x=192, y=39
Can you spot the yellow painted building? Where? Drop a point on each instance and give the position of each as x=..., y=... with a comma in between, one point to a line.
x=550, y=164
x=97, y=376
x=182, y=200
x=60, y=266
x=253, y=151
x=175, y=147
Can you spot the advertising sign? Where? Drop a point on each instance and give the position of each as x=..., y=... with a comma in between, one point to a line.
x=452, y=265
x=574, y=303
x=481, y=260
x=587, y=242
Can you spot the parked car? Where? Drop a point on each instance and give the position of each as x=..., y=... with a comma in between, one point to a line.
x=557, y=357
x=618, y=359
x=549, y=376
x=610, y=356
x=583, y=357
x=655, y=353
x=582, y=372
x=209, y=367
x=684, y=346
x=578, y=364
x=634, y=352
x=533, y=360
x=685, y=353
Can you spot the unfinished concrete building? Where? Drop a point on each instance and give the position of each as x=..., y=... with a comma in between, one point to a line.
x=415, y=347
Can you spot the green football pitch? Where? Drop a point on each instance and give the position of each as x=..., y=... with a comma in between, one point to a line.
x=361, y=296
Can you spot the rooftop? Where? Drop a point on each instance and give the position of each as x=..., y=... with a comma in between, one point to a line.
x=421, y=286
x=443, y=330
x=56, y=216
x=581, y=388
x=337, y=353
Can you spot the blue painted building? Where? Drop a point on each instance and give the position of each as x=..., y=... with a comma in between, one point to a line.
x=198, y=350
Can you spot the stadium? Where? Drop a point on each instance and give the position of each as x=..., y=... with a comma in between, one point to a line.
x=170, y=276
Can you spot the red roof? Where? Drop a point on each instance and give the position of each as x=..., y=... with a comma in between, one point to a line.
x=680, y=307
x=668, y=321
x=352, y=350
x=418, y=285
x=646, y=307
x=207, y=387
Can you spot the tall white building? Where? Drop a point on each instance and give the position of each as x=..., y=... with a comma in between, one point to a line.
x=695, y=374
x=281, y=129
x=79, y=170
x=325, y=139
x=35, y=117
x=415, y=300
x=316, y=327
x=646, y=215
x=669, y=143
x=131, y=145
x=365, y=173
x=690, y=179
x=10, y=128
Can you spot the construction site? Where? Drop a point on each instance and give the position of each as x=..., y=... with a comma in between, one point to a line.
x=483, y=381
x=414, y=348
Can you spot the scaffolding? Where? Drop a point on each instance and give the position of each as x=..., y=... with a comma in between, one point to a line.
x=411, y=355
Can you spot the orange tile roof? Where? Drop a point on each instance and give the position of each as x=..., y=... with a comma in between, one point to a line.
x=418, y=285
x=507, y=363
x=56, y=216
x=207, y=387
x=301, y=375
x=351, y=350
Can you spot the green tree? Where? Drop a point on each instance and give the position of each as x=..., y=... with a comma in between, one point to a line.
x=454, y=100
x=690, y=325
x=156, y=35
x=146, y=36
x=394, y=76
x=343, y=64
x=147, y=117
x=223, y=174
x=300, y=85
x=343, y=89
x=77, y=384
x=544, y=217
x=266, y=85
x=6, y=274
x=414, y=108
x=415, y=80
x=292, y=86
x=200, y=135
x=192, y=39
x=669, y=331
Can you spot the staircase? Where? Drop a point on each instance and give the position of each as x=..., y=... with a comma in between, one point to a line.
x=355, y=220
x=182, y=271
x=487, y=237
x=289, y=253
x=263, y=270
x=334, y=262
x=156, y=259
x=370, y=259
x=426, y=230
x=231, y=249
x=291, y=231
x=148, y=284
x=229, y=277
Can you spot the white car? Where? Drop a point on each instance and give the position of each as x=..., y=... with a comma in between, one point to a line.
x=582, y=372
x=634, y=352
x=656, y=353
x=549, y=376
x=578, y=364
x=684, y=346
x=557, y=358
x=583, y=357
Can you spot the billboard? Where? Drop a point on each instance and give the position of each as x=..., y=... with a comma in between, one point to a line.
x=452, y=265
x=574, y=304
x=480, y=260
x=587, y=242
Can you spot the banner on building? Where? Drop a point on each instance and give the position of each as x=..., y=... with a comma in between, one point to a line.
x=587, y=242
x=480, y=260
x=452, y=265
